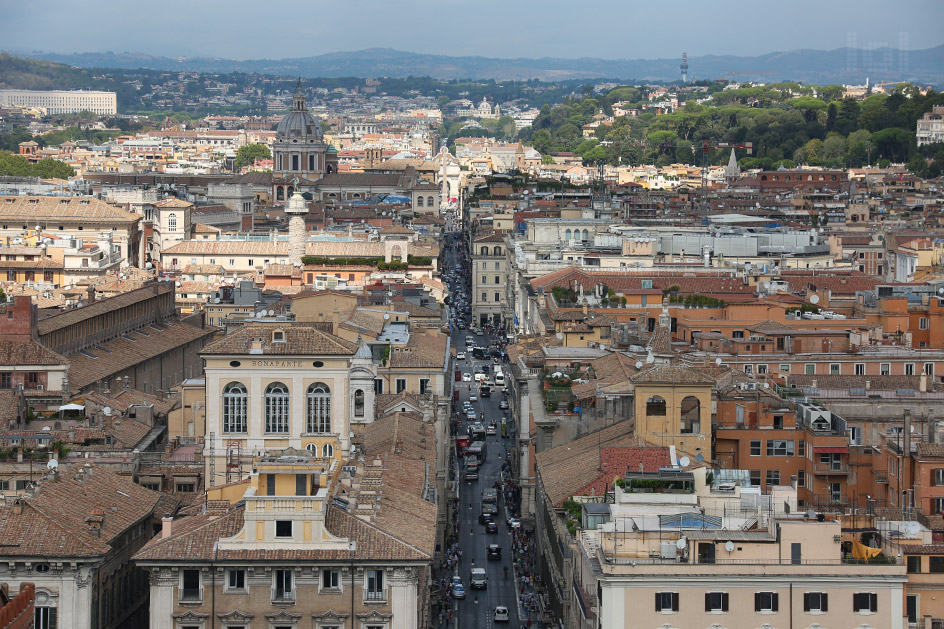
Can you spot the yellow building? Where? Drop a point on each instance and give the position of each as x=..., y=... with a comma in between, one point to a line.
x=673, y=408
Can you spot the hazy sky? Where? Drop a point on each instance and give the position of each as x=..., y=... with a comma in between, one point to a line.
x=625, y=29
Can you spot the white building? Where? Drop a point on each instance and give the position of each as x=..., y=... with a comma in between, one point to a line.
x=61, y=101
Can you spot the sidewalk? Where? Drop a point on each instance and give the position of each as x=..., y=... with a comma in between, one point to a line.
x=530, y=605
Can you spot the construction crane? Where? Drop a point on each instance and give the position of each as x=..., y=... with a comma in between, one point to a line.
x=705, y=147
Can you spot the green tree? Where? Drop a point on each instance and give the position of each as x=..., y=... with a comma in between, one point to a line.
x=52, y=169
x=249, y=153
x=14, y=165
x=834, y=150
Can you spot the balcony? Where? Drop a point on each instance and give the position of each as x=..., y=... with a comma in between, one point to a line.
x=830, y=468
x=881, y=476
x=283, y=596
x=831, y=501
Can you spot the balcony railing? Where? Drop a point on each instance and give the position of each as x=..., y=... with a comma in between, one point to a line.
x=830, y=468
x=881, y=476
x=283, y=596
x=831, y=500
x=191, y=595
x=376, y=595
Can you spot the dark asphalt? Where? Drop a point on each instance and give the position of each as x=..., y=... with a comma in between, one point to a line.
x=477, y=609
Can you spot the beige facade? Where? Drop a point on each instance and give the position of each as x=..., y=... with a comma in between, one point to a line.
x=282, y=387
x=673, y=407
x=791, y=573
x=489, y=279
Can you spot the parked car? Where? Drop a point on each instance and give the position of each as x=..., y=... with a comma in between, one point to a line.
x=503, y=405
x=473, y=398
x=461, y=355
x=458, y=590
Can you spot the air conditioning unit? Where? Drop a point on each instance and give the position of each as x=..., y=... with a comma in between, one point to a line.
x=40, y=387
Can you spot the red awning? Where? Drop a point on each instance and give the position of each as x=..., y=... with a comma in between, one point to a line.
x=831, y=449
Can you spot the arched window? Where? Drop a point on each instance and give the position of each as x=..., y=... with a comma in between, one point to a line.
x=429, y=201
x=319, y=408
x=327, y=451
x=484, y=251
x=655, y=406
x=276, y=408
x=235, y=402
x=497, y=251
x=691, y=415
x=358, y=403
x=279, y=194
x=586, y=235
x=172, y=222
x=290, y=191
x=419, y=201
x=568, y=234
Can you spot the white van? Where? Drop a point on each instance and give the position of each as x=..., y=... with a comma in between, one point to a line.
x=499, y=379
x=479, y=580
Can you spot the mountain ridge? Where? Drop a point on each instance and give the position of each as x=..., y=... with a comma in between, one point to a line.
x=841, y=65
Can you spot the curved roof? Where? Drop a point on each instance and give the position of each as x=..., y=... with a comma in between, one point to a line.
x=299, y=123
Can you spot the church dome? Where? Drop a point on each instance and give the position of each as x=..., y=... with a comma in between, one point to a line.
x=298, y=123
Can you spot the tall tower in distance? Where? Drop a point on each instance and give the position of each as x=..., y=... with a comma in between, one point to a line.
x=684, y=67
x=296, y=210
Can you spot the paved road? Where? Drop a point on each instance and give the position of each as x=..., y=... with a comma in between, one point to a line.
x=477, y=609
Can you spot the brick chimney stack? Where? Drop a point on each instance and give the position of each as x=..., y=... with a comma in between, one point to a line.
x=18, y=323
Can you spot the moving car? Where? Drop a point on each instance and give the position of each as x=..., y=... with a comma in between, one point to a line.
x=486, y=517
x=467, y=377
x=501, y=614
x=461, y=355
x=494, y=551
x=491, y=429
x=473, y=398
x=491, y=527
x=514, y=523
x=478, y=580
x=503, y=405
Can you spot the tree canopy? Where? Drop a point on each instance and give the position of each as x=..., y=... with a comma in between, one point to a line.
x=249, y=153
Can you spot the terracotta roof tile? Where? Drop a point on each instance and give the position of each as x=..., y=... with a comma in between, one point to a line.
x=95, y=364
x=41, y=209
x=671, y=374
x=24, y=353
x=301, y=339
x=567, y=469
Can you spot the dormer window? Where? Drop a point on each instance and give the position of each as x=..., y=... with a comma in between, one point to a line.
x=278, y=336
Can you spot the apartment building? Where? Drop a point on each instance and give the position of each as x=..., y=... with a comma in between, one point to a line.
x=489, y=280
x=791, y=570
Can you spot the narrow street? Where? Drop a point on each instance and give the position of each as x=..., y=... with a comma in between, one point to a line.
x=477, y=608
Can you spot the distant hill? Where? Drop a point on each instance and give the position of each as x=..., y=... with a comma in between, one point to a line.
x=843, y=65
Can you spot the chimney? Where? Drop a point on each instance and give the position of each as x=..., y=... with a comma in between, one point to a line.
x=167, y=526
x=923, y=383
x=91, y=294
x=17, y=507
